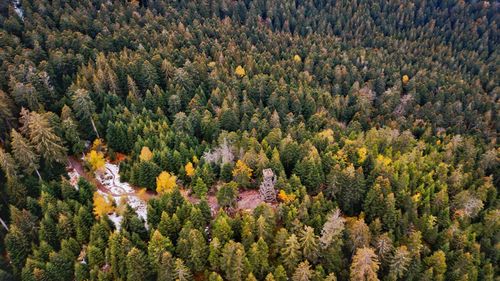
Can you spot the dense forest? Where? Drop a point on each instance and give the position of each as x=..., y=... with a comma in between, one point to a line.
x=369, y=129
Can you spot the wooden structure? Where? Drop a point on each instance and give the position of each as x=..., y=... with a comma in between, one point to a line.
x=266, y=189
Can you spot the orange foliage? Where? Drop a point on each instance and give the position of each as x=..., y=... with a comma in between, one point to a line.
x=286, y=198
x=146, y=154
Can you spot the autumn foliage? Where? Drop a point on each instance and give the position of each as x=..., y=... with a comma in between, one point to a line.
x=146, y=154
x=102, y=205
x=165, y=182
x=240, y=71
x=95, y=160
x=189, y=169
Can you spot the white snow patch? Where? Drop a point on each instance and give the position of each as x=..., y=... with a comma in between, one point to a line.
x=111, y=180
x=121, y=192
x=18, y=9
x=116, y=219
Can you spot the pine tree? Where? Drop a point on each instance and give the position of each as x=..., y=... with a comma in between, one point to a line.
x=195, y=249
x=182, y=272
x=303, y=272
x=234, y=262
x=166, y=267
x=214, y=276
x=227, y=195
x=383, y=246
x=291, y=254
x=41, y=135
x=400, y=261
x=359, y=234
x=158, y=245
x=309, y=244
x=117, y=256
x=137, y=265
x=280, y=273
x=222, y=229
x=24, y=153
x=84, y=107
x=258, y=256
x=200, y=188
x=17, y=247
x=215, y=250
x=437, y=265
x=310, y=170
x=364, y=265
x=8, y=164
x=248, y=230
x=332, y=229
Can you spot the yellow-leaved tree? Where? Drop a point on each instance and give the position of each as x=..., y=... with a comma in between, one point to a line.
x=102, y=205
x=189, y=169
x=405, y=79
x=146, y=154
x=297, y=58
x=362, y=152
x=242, y=173
x=98, y=145
x=240, y=71
x=383, y=160
x=286, y=198
x=327, y=134
x=95, y=160
x=165, y=182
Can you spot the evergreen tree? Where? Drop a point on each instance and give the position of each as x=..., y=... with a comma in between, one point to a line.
x=42, y=136
x=309, y=244
x=364, y=265
x=234, y=262
x=24, y=153
x=291, y=254
x=137, y=265
x=258, y=256
x=303, y=272
x=84, y=107
x=17, y=247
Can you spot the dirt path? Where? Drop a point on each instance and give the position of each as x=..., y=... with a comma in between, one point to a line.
x=247, y=199
x=77, y=166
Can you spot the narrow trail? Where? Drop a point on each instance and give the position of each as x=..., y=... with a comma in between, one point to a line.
x=247, y=199
x=77, y=166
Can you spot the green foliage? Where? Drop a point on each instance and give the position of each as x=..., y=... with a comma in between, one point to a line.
x=227, y=194
x=379, y=119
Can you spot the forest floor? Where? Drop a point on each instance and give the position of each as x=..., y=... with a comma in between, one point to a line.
x=110, y=184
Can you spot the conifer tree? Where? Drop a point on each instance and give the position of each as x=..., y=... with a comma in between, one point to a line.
x=42, y=136
x=303, y=272
x=234, y=262
x=291, y=254
x=309, y=244
x=24, y=153
x=84, y=107
x=137, y=265
x=258, y=256
x=364, y=265
x=17, y=247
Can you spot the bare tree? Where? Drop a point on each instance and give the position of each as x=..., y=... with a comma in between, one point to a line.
x=222, y=154
x=332, y=229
